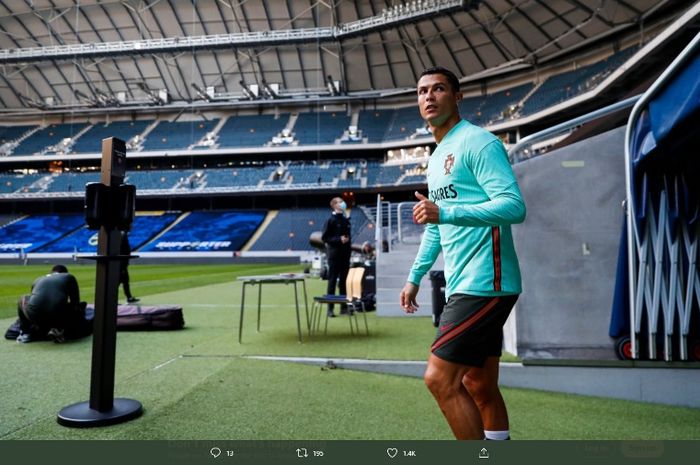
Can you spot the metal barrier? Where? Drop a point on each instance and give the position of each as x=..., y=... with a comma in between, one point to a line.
x=662, y=252
x=395, y=225
x=521, y=151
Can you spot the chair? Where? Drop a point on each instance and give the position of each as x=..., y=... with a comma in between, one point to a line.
x=353, y=281
x=356, y=296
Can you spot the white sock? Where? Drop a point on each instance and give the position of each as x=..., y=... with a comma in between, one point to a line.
x=497, y=435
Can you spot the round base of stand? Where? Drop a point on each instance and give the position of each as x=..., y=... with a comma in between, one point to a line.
x=80, y=415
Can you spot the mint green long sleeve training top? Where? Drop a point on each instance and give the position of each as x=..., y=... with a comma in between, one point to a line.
x=472, y=182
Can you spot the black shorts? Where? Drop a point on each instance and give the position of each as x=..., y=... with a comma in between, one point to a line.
x=471, y=328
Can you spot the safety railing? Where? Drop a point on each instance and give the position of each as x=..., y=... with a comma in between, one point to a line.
x=663, y=281
x=523, y=149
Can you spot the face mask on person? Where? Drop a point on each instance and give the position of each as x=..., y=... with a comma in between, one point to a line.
x=342, y=206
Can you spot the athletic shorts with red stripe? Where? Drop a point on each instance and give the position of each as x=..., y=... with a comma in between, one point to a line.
x=471, y=328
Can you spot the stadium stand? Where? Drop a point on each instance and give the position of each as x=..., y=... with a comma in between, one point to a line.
x=7, y=219
x=251, y=130
x=563, y=86
x=312, y=174
x=68, y=182
x=404, y=124
x=144, y=228
x=50, y=136
x=320, y=128
x=500, y=105
x=91, y=141
x=159, y=179
x=290, y=229
x=384, y=175
x=413, y=179
x=177, y=135
x=16, y=182
x=33, y=232
x=374, y=124
x=236, y=177
x=211, y=231
x=10, y=134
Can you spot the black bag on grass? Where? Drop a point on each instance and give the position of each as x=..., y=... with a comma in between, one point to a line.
x=149, y=317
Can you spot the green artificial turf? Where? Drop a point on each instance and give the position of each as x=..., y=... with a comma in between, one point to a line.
x=195, y=384
x=146, y=280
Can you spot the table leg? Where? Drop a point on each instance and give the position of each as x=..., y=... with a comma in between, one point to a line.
x=296, y=303
x=306, y=307
x=240, y=324
x=259, y=303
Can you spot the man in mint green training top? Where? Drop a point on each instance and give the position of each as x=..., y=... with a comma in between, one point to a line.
x=473, y=199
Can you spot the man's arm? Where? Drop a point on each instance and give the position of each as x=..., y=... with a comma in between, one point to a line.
x=495, y=176
x=425, y=258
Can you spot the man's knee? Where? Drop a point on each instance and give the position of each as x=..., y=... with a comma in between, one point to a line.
x=441, y=383
x=481, y=388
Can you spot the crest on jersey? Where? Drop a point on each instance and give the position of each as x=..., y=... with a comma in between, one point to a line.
x=449, y=163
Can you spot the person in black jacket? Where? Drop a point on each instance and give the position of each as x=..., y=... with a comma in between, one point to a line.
x=336, y=236
x=125, y=249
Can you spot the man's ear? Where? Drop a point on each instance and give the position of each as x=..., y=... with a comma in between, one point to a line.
x=459, y=96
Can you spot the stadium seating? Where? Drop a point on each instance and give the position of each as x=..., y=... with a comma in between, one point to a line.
x=68, y=182
x=211, y=231
x=404, y=124
x=413, y=179
x=320, y=128
x=83, y=240
x=290, y=229
x=177, y=135
x=236, y=177
x=158, y=179
x=251, y=130
x=563, y=86
x=374, y=124
x=384, y=175
x=6, y=219
x=12, y=133
x=48, y=137
x=33, y=232
x=499, y=105
x=91, y=141
x=16, y=182
x=312, y=174
x=362, y=226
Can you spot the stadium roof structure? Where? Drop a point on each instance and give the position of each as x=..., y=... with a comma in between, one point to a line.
x=87, y=55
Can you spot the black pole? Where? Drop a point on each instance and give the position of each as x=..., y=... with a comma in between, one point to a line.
x=109, y=206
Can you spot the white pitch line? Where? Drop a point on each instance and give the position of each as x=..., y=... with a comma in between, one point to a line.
x=165, y=363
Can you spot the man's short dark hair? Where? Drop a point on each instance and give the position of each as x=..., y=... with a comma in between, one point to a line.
x=451, y=78
x=59, y=269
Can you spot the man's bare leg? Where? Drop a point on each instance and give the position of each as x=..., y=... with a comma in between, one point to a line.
x=482, y=385
x=445, y=381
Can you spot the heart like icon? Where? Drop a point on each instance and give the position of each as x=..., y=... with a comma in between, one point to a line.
x=391, y=452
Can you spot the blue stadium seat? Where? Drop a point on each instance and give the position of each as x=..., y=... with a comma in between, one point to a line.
x=177, y=135
x=48, y=136
x=211, y=231
x=374, y=124
x=83, y=240
x=290, y=229
x=91, y=141
x=251, y=130
x=564, y=86
x=404, y=124
x=320, y=128
x=36, y=231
